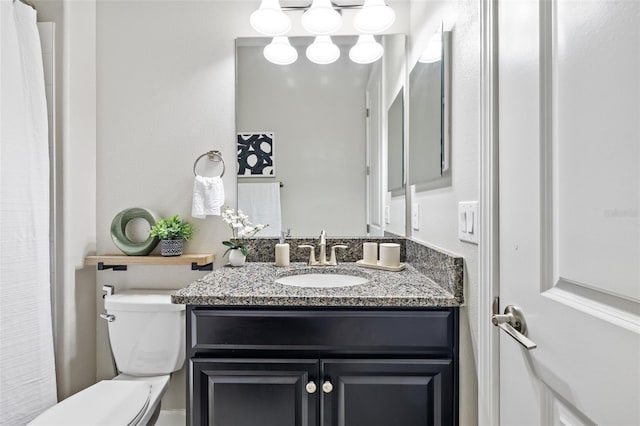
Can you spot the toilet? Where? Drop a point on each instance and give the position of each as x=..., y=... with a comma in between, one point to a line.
x=147, y=335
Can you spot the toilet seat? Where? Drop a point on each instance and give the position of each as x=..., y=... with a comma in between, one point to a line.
x=107, y=403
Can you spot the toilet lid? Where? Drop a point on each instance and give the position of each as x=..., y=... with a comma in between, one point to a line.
x=107, y=403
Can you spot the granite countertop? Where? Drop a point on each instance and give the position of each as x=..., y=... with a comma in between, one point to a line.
x=253, y=285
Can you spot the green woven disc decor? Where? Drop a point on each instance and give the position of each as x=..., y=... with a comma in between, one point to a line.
x=119, y=235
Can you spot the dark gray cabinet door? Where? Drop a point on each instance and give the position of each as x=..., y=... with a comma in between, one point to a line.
x=387, y=392
x=252, y=392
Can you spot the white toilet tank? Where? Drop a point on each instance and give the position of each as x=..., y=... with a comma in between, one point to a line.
x=148, y=333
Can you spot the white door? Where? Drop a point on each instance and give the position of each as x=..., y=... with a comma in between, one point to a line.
x=569, y=143
x=374, y=157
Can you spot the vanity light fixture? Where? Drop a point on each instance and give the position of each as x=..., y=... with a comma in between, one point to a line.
x=374, y=17
x=269, y=19
x=367, y=50
x=280, y=51
x=321, y=18
x=322, y=51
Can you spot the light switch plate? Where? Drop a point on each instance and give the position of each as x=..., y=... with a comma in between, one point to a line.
x=468, y=221
x=415, y=216
x=387, y=214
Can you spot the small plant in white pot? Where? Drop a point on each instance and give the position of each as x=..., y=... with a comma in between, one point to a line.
x=173, y=233
x=242, y=230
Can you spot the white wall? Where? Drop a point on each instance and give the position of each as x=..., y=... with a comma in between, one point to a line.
x=438, y=208
x=166, y=74
x=76, y=190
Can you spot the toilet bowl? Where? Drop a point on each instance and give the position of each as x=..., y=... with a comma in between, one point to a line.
x=146, y=332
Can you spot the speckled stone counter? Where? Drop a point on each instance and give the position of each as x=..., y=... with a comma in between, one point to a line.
x=253, y=285
x=263, y=249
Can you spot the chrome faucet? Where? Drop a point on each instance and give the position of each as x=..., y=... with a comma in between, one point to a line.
x=323, y=248
x=323, y=252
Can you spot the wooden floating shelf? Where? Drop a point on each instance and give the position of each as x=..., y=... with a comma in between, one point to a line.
x=119, y=262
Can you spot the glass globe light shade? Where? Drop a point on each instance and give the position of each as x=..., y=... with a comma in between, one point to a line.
x=366, y=50
x=433, y=52
x=322, y=51
x=321, y=18
x=269, y=19
x=374, y=17
x=280, y=51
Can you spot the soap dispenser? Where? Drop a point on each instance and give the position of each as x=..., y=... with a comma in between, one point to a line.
x=282, y=252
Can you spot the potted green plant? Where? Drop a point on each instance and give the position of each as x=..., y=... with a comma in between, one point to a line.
x=242, y=230
x=173, y=233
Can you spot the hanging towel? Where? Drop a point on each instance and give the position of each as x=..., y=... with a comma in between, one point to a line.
x=208, y=196
x=261, y=202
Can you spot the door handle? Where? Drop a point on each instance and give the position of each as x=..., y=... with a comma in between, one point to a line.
x=513, y=322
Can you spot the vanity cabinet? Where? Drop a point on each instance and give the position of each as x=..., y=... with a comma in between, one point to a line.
x=253, y=392
x=324, y=367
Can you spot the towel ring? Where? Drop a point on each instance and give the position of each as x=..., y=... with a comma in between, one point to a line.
x=213, y=156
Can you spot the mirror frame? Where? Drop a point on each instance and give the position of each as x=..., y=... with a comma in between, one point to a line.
x=444, y=178
x=396, y=137
x=403, y=90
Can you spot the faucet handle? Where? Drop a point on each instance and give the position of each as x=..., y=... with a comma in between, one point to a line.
x=312, y=253
x=333, y=260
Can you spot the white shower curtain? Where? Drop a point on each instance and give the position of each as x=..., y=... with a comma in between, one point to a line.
x=27, y=368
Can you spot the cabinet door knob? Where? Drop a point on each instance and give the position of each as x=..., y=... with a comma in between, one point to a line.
x=311, y=387
x=327, y=387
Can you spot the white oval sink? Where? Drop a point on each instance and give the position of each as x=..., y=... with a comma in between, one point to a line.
x=322, y=280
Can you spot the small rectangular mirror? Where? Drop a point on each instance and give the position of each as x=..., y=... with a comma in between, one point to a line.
x=429, y=113
x=395, y=144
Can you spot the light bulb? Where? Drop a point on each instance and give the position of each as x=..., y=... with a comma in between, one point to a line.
x=269, y=19
x=433, y=52
x=322, y=51
x=366, y=50
x=374, y=17
x=280, y=51
x=321, y=18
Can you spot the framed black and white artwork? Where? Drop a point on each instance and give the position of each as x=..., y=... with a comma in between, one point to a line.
x=255, y=154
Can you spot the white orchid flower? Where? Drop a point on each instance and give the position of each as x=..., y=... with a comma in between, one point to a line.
x=242, y=229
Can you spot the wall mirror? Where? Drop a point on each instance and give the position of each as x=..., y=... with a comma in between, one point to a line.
x=429, y=112
x=322, y=137
x=395, y=145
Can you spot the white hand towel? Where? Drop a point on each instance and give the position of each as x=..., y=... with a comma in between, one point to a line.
x=208, y=196
x=261, y=202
